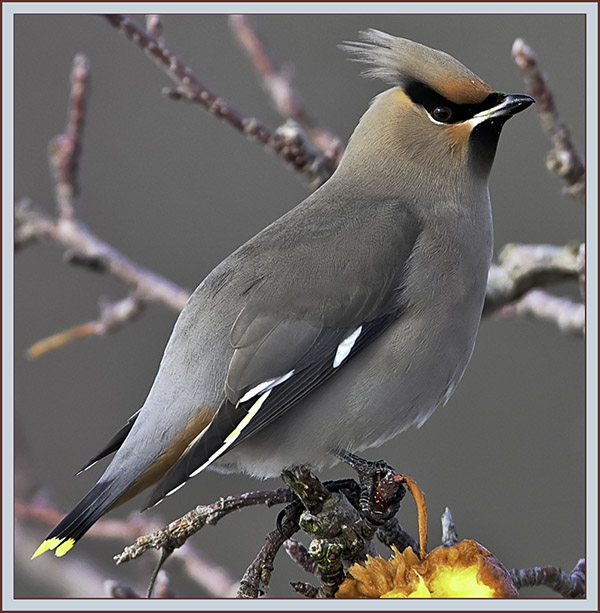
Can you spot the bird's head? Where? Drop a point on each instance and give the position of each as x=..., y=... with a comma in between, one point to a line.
x=438, y=119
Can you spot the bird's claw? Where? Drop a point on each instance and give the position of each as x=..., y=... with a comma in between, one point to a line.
x=381, y=487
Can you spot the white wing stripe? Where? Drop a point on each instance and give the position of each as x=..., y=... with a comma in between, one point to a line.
x=175, y=489
x=234, y=434
x=265, y=386
x=345, y=347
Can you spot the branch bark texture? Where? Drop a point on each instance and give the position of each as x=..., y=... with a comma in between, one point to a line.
x=287, y=144
x=563, y=159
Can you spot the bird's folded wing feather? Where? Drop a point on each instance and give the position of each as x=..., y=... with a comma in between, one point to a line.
x=285, y=348
x=253, y=400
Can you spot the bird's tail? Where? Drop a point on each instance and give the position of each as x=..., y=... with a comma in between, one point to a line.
x=95, y=503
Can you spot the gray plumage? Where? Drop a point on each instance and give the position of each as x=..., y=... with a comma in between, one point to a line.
x=350, y=318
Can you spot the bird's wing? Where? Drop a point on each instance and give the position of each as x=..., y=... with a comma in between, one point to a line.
x=264, y=382
x=292, y=335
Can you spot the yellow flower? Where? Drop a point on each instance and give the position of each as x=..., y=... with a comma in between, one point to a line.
x=465, y=570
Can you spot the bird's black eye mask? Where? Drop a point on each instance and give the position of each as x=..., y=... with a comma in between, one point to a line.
x=444, y=111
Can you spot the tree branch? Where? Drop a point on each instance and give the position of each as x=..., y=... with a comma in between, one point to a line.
x=569, y=316
x=177, y=532
x=64, y=150
x=31, y=222
x=524, y=267
x=112, y=316
x=277, y=82
x=289, y=144
x=521, y=269
x=82, y=247
x=563, y=159
x=299, y=554
x=567, y=585
x=85, y=248
x=449, y=534
x=257, y=577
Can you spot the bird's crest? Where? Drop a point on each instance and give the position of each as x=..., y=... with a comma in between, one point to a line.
x=400, y=62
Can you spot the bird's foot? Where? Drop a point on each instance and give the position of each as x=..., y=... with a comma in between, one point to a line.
x=381, y=487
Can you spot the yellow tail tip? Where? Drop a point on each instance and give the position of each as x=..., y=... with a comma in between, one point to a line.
x=61, y=545
x=64, y=547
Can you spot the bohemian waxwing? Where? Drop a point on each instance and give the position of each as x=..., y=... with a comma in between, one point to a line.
x=344, y=322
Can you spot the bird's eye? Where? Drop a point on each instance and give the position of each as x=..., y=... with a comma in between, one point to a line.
x=442, y=113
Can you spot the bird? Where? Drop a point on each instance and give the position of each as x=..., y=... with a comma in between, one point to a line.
x=344, y=322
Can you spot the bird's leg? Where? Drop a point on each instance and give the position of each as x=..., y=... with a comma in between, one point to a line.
x=381, y=487
x=348, y=487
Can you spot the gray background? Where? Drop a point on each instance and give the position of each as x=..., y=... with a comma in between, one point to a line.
x=177, y=191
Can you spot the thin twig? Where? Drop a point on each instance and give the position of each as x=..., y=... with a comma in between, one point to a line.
x=523, y=267
x=82, y=247
x=567, y=585
x=75, y=236
x=569, y=316
x=277, y=82
x=154, y=25
x=164, y=556
x=178, y=531
x=299, y=554
x=112, y=316
x=212, y=578
x=116, y=589
x=163, y=586
x=449, y=534
x=293, y=149
x=305, y=589
x=64, y=150
x=564, y=159
x=257, y=577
